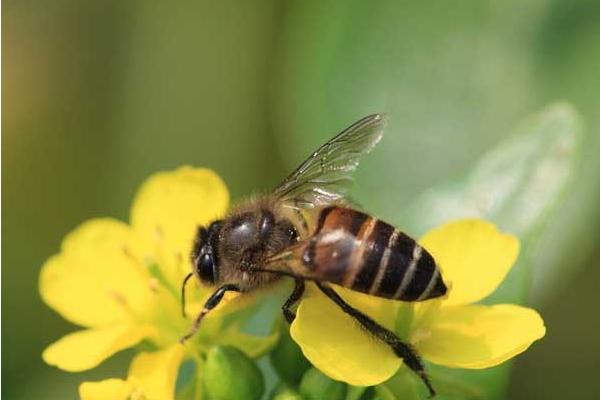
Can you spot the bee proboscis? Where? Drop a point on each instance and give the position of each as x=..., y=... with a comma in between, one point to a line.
x=307, y=230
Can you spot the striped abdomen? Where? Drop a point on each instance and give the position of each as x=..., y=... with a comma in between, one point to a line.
x=365, y=254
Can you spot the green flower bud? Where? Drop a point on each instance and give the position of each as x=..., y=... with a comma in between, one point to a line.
x=360, y=393
x=284, y=392
x=230, y=374
x=317, y=386
x=287, y=358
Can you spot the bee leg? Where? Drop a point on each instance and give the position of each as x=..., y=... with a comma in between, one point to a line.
x=211, y=303
x=294, y=297
x=402, y=350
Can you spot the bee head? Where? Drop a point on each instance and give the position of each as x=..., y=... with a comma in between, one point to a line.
x=204, y=254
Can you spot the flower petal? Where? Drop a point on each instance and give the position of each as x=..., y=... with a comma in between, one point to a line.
x=477, y=336
x=338, y=346
x=93, y=282
x=474, y=257
x=86, y=349
x=169, y=207
x=156, y=372
x=108, y=389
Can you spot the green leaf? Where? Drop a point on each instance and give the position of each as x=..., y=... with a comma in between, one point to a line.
x=516, y=183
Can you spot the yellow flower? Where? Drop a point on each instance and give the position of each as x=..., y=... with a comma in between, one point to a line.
x=151, y=376
x=122, y=283
x=474, y=257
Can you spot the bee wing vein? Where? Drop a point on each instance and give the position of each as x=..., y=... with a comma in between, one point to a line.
x=326, y=175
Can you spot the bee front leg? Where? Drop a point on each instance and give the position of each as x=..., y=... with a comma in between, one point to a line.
x=211, y=303
x=293, y=299
x=402, y=350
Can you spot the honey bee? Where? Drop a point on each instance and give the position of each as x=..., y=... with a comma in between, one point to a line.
x=306, y=229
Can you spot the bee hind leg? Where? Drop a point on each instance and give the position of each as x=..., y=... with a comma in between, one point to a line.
x=293, y=299
x=402, y=350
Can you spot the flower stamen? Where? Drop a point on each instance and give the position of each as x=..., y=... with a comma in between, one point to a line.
x=141, y=265
x=160, y=278
x=121, y=300
x=419, y=334
x=137, y=394
x=154, y=284
x=158, y=234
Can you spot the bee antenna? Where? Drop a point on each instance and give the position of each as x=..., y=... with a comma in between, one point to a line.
x=183, y=293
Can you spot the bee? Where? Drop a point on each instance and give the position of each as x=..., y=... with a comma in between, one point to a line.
x=306, y=229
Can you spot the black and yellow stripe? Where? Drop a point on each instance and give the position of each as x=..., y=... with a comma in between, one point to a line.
x=360, y=252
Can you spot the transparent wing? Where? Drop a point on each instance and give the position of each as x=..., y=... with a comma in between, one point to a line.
x=326, y=175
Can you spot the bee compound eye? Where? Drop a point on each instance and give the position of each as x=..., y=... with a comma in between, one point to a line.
x=205, y=267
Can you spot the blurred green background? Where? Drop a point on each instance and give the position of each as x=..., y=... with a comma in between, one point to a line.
x=97, y=95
